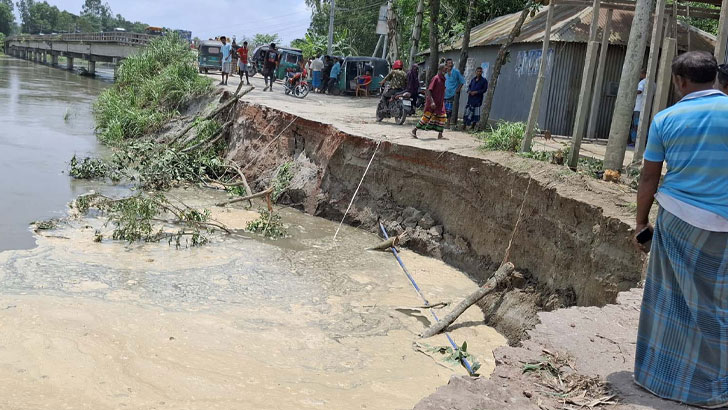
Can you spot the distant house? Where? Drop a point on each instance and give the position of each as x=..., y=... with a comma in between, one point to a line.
x=569, y=35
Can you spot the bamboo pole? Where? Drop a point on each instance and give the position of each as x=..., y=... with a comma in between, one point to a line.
x=624, y=104
x=720, y=43
x=649, y=92
x=599, y=82
x=536, y=100
x=669, y=50
x=463, y=60
x=416, y=31
x=587, y=79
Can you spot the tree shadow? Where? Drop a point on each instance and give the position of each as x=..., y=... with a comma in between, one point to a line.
x=628, y=392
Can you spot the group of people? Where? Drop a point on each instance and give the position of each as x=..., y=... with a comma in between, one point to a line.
x=323, y=72
x=270, y=62
x=440, y=96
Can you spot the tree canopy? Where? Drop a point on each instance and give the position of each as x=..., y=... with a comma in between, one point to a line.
x=40, y=17
x=356, y=21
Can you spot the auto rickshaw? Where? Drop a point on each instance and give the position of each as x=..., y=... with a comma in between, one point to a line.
x=352, y=67
x=209, y=56
x=289, y=58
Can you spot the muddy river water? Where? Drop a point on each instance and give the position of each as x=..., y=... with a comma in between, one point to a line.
x=240, y=323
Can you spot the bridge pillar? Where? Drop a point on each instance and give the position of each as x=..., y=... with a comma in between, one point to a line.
x=54, y=60
x=69, y=64
x=91, y=66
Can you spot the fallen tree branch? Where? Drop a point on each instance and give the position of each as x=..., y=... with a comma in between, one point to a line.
x=245, y=198
x=209, y=116
x=233, y=165
x=389, y=243
x=213, y=139
x=498, y=277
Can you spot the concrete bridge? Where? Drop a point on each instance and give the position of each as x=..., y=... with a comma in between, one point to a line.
x=92, y=47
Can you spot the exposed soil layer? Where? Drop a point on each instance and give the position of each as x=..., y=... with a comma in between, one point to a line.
x=571, y=245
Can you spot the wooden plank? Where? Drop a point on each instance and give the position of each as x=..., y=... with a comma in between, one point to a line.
x=722, y=33
x=599, y=82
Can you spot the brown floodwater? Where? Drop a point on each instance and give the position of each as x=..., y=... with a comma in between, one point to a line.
x=45, y=118
x=240, y=323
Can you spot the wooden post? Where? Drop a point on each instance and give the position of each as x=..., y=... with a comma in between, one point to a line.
x=649, y=92
x=669, y=48
x=624, y=104
x=416, y=31
x=536, y=100
x=720, y=43
x=599, y=82
x=434, y=40
x=463, y=61
x=587, y=78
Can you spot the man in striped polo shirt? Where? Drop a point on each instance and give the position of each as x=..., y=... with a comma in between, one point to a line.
x=682, y=342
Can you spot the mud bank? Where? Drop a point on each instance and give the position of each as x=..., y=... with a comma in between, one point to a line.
x=571, y=246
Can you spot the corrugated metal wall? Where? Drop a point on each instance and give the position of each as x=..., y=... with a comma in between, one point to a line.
x=561, y=90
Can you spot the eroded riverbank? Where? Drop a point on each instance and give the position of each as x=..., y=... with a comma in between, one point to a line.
x=239, y=323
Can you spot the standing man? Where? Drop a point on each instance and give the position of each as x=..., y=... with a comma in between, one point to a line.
x=317, y=66
x=639, y=103
x=326, y=73
x=682, y=341
x=453, y=83
x=477, y=87
x=243, y=62
x=434, y=117
x=269, y=67
x=227, y=59
x=334, y=75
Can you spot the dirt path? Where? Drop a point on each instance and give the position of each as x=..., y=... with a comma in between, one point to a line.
x=356, y=115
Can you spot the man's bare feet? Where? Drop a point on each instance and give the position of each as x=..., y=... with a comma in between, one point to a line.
x=439, y=136
x=414, y=133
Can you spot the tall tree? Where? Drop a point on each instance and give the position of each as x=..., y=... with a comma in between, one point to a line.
x=463, y=58
x=434, y=45
x=416, y=31
x=7, y=18
x=499, y=61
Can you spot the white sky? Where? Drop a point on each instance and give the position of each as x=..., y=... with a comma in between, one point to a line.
x=288, y=18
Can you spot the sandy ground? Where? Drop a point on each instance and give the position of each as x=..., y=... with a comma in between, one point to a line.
x=356, y=115
x=299, y=323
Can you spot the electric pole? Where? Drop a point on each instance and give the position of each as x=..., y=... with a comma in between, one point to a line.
x=332, y=10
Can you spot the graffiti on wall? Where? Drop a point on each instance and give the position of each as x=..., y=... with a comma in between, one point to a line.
x=529, y=61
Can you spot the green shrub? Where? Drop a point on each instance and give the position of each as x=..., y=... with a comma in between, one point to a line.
x=151, y=87
x=506, y=136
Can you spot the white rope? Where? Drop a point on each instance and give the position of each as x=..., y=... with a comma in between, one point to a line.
x=357, y=190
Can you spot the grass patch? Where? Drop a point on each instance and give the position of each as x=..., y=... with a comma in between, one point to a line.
x=505, y=136
x=282, y=180
x=150, y=88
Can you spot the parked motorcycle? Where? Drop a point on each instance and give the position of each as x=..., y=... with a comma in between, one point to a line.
x=398, y=106
x=298, y=89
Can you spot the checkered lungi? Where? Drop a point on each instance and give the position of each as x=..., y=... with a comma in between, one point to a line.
x=682, y=341
x=472, y=115
x=448, y=105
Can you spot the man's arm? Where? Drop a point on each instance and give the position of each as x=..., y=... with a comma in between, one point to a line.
x=649, y=180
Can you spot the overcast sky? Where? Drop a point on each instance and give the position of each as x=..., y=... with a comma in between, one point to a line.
x=288, y=18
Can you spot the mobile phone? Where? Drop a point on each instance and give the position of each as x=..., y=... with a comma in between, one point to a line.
x=644, y=236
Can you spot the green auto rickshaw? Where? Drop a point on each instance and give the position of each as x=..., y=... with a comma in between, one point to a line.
x=209, y=56
x=288, y=58
x=352, y=67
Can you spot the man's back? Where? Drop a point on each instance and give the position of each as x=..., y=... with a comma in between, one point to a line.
x=692, y=138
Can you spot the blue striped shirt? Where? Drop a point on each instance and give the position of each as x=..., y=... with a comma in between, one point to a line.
x=692, y=138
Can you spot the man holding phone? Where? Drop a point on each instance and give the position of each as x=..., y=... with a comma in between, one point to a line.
x=682, y=342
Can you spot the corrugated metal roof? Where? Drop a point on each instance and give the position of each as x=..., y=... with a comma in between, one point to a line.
x=571, y=24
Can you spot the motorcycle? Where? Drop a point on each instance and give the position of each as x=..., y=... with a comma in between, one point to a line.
x=298, y=89
x=398, y=106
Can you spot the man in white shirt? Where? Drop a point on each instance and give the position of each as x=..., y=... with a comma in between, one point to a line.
x=639, y=103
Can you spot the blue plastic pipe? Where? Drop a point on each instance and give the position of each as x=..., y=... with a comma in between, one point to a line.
x=424, y=299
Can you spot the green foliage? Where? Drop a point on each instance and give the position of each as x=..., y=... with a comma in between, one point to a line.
x=586, y=165
x=237, y=190
x=456, y=356
x=263, y=39
x=7, y=21
x=313, y=44
x=151, y=86
x=705, y=24
x=41, y=17
x=139, y=218
x=282, y=179
x=88, y=168
x=506, y=136
x=267, y=224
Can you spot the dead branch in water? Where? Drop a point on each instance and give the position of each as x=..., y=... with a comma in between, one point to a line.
x=392, y=242
x=498, y=277
x=267, y=192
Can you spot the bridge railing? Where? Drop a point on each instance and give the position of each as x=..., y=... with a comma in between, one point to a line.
x=109, y=37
